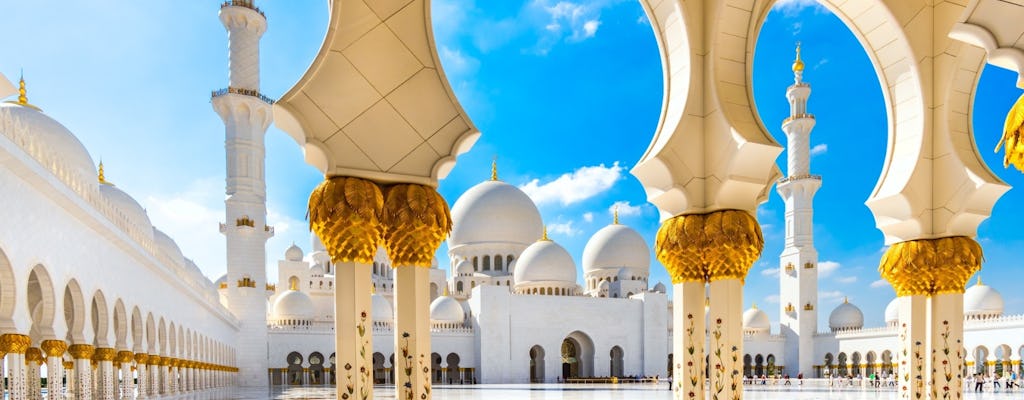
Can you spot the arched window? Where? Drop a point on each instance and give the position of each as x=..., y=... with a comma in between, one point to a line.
x=458, y=286
x=475, y=264
x=487, y=263
x=497, y=263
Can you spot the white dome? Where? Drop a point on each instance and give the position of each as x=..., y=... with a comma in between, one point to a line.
x=54, y=137
x=982, y=300
x=316, y=270
x=464, y=267
x=846, y=316
x=446, y=310
x=660, y=288
x=134, y=212
x=892, y=311
x=168, y=247
x=617, y=246
x=545, y=261
x=494, y=211
x=294, y=253
x=293, y=304
x=754, y=319
x=381, y=308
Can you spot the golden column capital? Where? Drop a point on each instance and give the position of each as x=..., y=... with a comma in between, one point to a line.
x=931, y=266
x=345, y=213
x=12, y=343
x=81, y=351
x=104, y=354
x=141, y=358
x=153, y=359
x=707, y=247
x=124, y=356
x=416, y=220
x=33, y=354
x=54, y=348
x=68, y=365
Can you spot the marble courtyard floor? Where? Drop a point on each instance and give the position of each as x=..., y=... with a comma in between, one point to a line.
x=574, y=392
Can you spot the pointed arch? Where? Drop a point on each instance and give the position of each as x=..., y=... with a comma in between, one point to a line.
x=150, y=334
x=9, y=296
x=74, y=312
x=100, y=318
x=120, y=326
x=40, y=302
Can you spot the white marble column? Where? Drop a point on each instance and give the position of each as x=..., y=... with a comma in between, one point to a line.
x=69, y=376
x=142, y=372
x=33, y=381
x=912, y=335
x=126, y=386
x=54, y=350
x=353, y=330
x=82, y=355
x=15, y=346
x=412, y=332
x=105, y=382
x=725, y=339
x=688, y=373
x=154, y=375
x=947, y=325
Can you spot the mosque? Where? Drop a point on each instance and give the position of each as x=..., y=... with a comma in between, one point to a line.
x=510, y=307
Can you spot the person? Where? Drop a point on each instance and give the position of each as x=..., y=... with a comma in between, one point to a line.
x=979, y=382
x=800, y=378
x=788, y=383
x=995, y=382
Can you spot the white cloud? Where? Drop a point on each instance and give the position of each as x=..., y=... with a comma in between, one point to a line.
x=191, y=218
x=588, y=217
x=792, y=7
x=819, y=149
x=830, y=295
x=564, y=228
x=846, y=279
x=590, y=28
x=625, y=209
x=458, y=65
x=771, y=272
x=772, y=299
x=880, y=283
x=826, y=268
x=574, y=187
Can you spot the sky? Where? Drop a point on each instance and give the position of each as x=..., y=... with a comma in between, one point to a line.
x=567, y=95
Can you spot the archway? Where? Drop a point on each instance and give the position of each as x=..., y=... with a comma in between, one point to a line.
x=871, y=361
x=8, y=296
x=887, y=362
x=379, y=374
x=829, y=365
x=435, y=368
x=577, y=356
x=841, y=368
x=40, y=303
x=454, y=370
x=758, y=365
x=615, y=367
x=100, y=320
x=332, y=376
x=536, y=364
x=316, y=368
x=294, y=360
x=748, y=365
x=980, y=357
x=1002, y=353
x=74, y=313
x=120, y=326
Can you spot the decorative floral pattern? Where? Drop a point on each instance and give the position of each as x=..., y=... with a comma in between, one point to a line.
x=719, y=368
x=944, y=361
x=406, y=367
x=693, y=367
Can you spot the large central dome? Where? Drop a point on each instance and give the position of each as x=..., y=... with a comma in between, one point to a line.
x=494, y=211
x=617, y=246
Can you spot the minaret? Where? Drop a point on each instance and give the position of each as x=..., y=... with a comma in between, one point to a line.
x=246, y=114
x=798, y=272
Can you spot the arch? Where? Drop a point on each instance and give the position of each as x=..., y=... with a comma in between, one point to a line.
x=100, y=320
x=40, y=296
x=615, y=366
x=487, y=263
x=161, y=336
x=536, y=364
x=379, y=373
x=871, y=360
x=120, y=325
x=435, y=368
x=454, y=375
x=458, y=286
x=172, y=340
x=316, y=368
x=433, y=291
x=577, y=356
x=748, y=365
x=497, y=262
x=74, y=312
x=294, y=360
x=9, y=296
x=759, y=365
x=855, y=361
x=841, y=368
x=980, y=356
x=887, y=361
x=770, y=364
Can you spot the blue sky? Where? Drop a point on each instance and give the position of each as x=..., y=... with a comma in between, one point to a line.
x=567, y=95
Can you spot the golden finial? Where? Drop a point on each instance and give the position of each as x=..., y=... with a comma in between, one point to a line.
x=102, y=178
x=22, y=98
x=615, y=215
x=446, y=293
x=846, y=300
x=979, y=281
x=373, y=289
x=544, y=234
x=494, y=169
x=753, y=306
x=798, y=64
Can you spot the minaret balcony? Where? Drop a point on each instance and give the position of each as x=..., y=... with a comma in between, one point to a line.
x=790, y=269
x=243, y=3
x=797, y=116
x=244, y=92
x=799, y=177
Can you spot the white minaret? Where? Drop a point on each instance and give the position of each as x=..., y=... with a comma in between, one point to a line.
x=798, y=272
x=246, y=114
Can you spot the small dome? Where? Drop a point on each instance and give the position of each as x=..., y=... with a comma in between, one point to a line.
x=602, y=286
x=132, y=210
x=464, y=267
x=381, y=308
x=892, y=311
x=660, y=288
x=755, y=319
x=617, y=246
x=222, y=280
x=294, y=253
x=446, y=310
x=316, y=270
x=52, y=136
x=545, y=261
x=293, y=304
x=625, y=274
x=494, y=211
x=168, y=247
x=982, y=300
x=846, y=316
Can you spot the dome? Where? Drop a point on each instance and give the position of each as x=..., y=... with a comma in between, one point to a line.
x=294, y=253
x=52, y=136
x=168, y=247
x=755, y=319
x=617, y=246
x=446, y=310
x=545, y=261
x=293, y=304
x=660, y=288
x=464, y=267
x=846, y=316
x=982, y=300
x=316, y=270
x=381, y=308
x=892, y=312
x=494, y=211
x=134, y=212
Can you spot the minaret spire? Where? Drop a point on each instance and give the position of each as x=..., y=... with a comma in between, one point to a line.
x=22, y=97
x=798, y=65
x=615, y=215
x=494, y=169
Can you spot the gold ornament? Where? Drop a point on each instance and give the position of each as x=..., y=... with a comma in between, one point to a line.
x=153, y=360
x=81, y=351
x=69, y=365
x=104, y=354
x=931, y=266
x=141, y=358
x=417, y=220
x=124, y=356
x=12, y=343
x=33, y=354
x=54, y=348
x=345, y=213
x=1013, y=136
x=708, y=247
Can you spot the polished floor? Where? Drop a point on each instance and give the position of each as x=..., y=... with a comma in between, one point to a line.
x=575, y=392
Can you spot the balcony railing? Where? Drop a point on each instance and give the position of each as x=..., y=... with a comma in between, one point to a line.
x=243, y=3
x=797, y=116
x=799, y=177
x=244, y=92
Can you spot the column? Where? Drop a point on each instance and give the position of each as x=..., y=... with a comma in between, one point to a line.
x=353, y=329
x=105, y=388
x=412, y=329
x=174, y=371
x=15, y=346
x=33, y=381
x=990, y=365
x=912, y=335
x=82, y=355
x=154, y=375
x=725, y=330
x=165, y=375
x=54, y=350
x=69, y=376
x=126, y=387
x=688, y=340
x=142, y=372
x=947, y=325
